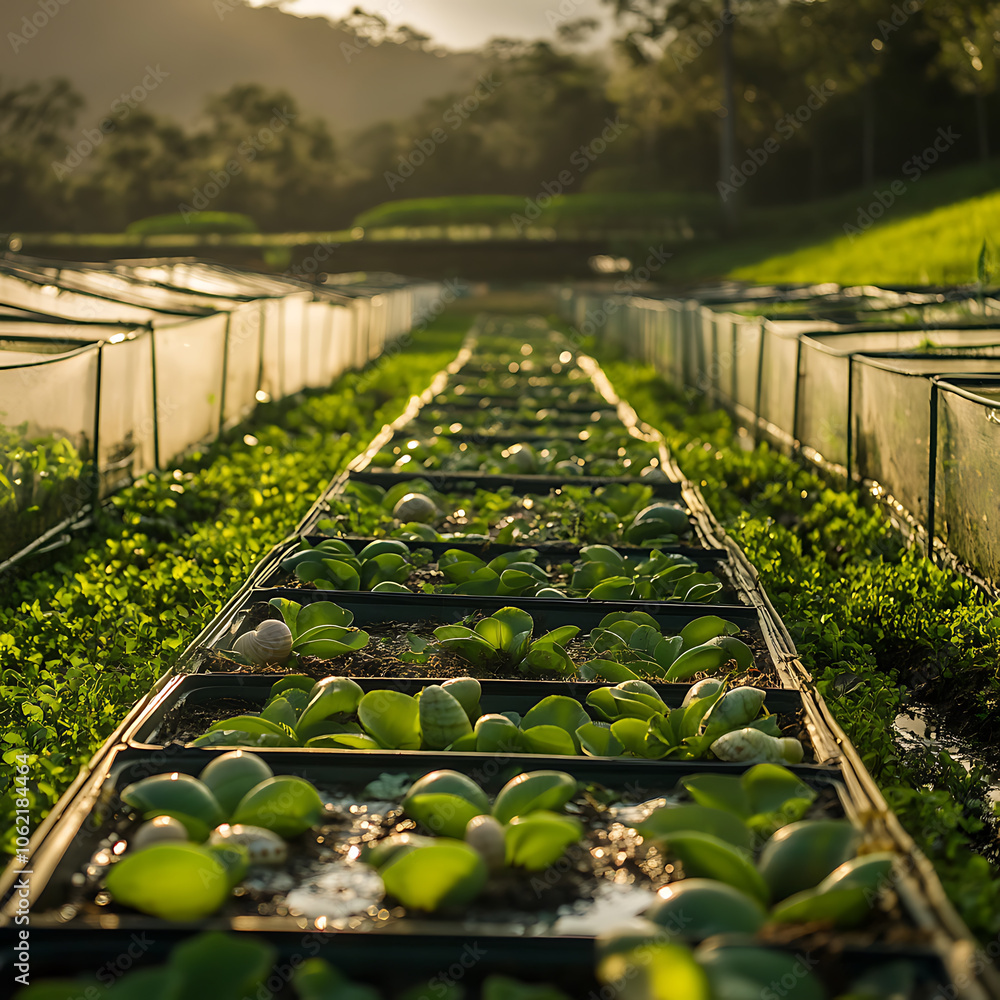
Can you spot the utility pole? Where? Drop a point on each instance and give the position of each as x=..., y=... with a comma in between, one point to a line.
x=727, y=147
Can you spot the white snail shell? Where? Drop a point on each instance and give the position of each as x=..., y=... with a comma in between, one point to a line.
x=263, y=846
x=271, y=642
x=415, y=507
x=485, y=835
x=159, y=830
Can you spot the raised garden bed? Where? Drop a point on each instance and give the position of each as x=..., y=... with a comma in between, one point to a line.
x=324, y=885
x=189, y=705
x=681, y=574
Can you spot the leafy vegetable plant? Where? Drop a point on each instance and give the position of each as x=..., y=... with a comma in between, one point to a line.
x=631, y=720
x=522, y=829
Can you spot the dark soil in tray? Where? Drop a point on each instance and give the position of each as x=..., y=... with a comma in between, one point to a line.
x=388, y=641
x=323, y=881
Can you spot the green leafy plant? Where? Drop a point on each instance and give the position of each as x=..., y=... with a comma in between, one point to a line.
x=630, y=644
x=632, y=720
x=176, y=879
x=504, y=638
x=522, y=830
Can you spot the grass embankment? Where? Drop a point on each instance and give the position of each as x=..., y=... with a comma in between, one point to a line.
x=931, y=233
x=573, y=212
x=82, y=640
x=871, y=620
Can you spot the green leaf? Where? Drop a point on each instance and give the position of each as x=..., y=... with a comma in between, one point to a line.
x=614, y=588
x=672, y=819
x=607, y=670
x=447, y=873
x=321, y=613
x=516, y=621
x=720, y=791
x=255, y=724
x=548, y=656
x=539, y=839
x=561, y=635
x=597, y=740
x=631, y=733
x=548, y=740
x=706, y=856
x=385, y=567
x=341, y=575
x=699, y=631
x=557, y=710
x=289, y=612
x=392, y=718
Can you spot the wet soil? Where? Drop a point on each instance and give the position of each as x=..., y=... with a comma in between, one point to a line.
x=325, y=880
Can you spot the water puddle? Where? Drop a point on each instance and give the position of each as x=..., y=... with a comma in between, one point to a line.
x=917, y=727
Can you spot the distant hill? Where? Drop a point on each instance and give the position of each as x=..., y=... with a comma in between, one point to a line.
x=105, y=46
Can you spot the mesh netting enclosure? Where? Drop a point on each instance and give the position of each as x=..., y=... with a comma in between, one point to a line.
x=825, y=378
x=967, y=497
x=891, y=421
x=108, y=371
x=845, y=377
x=48, y=422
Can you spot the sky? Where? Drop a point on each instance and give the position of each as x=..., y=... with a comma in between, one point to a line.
x=465, y=24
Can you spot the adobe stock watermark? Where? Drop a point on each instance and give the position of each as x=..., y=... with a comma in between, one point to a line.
x=312, y=264
x=454, y=118
x=914, y=168
x=901, y=13
x=350, y=50
x=564, y=12
x=594, y=320
x=581, y=159
x=45, y=10
x=246, y=152
x=121, y=107
x=691, y=42
x=786, y=126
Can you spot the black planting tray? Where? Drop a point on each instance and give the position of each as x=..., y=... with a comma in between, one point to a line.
x=468, y=403
x=715, y=561
x=370, y=609
x=95, y=820
x=485, y=438
x=201, y=690
x=457, y=482
x=467, y=483
x=418, y=964
x=548, y=612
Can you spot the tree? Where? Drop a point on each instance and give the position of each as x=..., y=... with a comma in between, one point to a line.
x=35, y=120
x=969, y=37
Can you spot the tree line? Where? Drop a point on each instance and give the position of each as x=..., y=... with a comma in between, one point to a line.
x=814, y=98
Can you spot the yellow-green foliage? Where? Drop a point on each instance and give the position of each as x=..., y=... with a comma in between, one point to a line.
x=938, y=247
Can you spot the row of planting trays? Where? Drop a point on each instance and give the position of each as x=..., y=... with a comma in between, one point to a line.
x=508, y=716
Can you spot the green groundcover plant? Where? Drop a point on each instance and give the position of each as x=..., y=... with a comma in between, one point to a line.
x=83, y=638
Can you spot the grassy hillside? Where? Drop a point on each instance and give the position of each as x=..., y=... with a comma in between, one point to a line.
x=932, y=232
x=939, y=247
